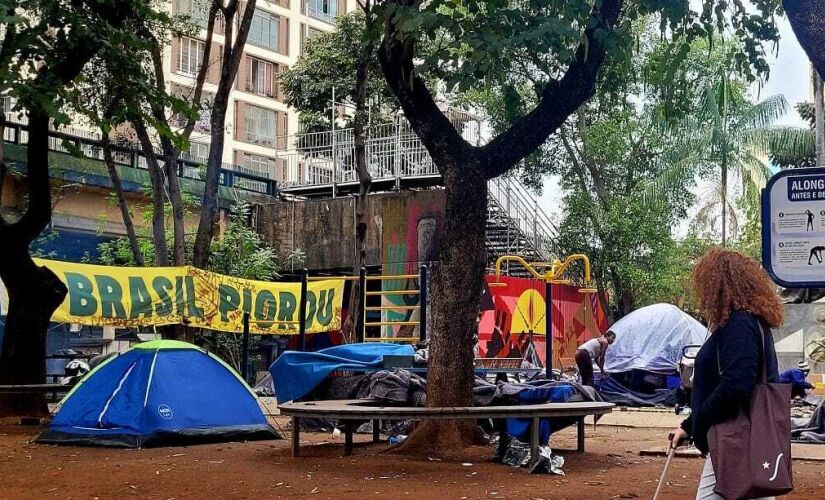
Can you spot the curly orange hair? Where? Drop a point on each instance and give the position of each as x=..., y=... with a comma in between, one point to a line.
x=725, y=281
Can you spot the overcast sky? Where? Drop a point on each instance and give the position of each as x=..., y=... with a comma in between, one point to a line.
x=788, y=76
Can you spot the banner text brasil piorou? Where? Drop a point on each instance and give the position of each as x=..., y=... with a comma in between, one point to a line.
x=154, y=296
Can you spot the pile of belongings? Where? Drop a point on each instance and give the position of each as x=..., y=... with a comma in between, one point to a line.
x=811, y=429
x=354, y=371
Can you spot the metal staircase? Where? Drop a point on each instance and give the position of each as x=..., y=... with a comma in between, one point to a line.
x=516, y=224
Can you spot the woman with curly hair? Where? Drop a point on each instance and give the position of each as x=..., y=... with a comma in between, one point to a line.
x=737, y=299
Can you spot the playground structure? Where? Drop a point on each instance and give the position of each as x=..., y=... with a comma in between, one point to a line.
x=553, y=273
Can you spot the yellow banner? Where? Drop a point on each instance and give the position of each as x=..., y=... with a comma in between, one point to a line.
x=146, y=296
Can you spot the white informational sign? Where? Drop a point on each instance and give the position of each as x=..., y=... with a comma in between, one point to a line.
x=793, y=228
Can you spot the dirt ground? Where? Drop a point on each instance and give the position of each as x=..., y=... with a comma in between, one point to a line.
x=611, y=468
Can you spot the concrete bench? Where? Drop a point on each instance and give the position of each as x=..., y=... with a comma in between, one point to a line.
x=350, y=411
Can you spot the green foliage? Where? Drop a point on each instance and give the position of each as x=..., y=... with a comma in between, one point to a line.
x=730, y=137
x=329, y=60
x=118, y=252
x=42, y=31
x=488, y=42
x=241, y=252
x=799, y=151
x=605, y=215
x=628, y=160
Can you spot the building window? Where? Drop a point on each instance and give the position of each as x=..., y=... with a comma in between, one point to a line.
x=308, y=34
x=198, y=151
x=7, y=104
x=196, y=10
x=325, y=10
x=259, y=126
x=264, y=30
x=203, y=122
x=259, y=79
x=190, y=56
x=257, y=165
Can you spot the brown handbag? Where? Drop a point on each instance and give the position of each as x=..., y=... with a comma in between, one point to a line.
x=751, y=454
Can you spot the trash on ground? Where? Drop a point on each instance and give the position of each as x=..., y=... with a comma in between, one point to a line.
x=518, y=455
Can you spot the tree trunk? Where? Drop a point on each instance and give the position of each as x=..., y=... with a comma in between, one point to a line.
x=178, y=229
x=724, y=196
x=806, y=18
x=121, y=200
x=209, y=202
x=34, y=292
x=465, y=169
x=158, y=202
x=232, y=54
x=354, y=310
x=819, y=117
x=457, y=283
x=605, y=302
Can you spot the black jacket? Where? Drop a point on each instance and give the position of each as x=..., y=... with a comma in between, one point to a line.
x=718, y=397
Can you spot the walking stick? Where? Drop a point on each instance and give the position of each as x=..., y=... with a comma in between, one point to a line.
x=671, y=451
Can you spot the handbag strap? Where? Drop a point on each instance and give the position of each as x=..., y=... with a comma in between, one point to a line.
x=764, y=354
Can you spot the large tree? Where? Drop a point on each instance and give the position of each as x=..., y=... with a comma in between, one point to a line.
x=234, y=17
x=45, y=46
x=565, y=44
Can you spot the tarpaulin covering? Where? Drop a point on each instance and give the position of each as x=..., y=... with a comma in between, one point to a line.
x=614, y=392
x=652, y=338
x=295, y=374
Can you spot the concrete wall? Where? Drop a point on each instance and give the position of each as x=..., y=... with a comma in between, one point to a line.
x=401, y=225
x=804, y=323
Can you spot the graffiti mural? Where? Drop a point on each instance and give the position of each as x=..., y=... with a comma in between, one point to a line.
x=411, y=233
x=516, y=327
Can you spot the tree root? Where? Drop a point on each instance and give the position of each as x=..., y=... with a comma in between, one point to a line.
x=440, y=437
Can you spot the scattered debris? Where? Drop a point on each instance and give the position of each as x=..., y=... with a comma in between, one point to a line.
x=518, y=455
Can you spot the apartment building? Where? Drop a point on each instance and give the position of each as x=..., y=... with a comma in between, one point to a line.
x=258, y=123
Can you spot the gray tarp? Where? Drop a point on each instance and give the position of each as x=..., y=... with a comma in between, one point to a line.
x=652, y=338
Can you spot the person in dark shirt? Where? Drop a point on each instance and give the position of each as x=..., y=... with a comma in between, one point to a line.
x=737, y=299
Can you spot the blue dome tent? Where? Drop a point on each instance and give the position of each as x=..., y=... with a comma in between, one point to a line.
x=158, y=393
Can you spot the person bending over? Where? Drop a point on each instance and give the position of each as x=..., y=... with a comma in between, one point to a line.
x=593, y=351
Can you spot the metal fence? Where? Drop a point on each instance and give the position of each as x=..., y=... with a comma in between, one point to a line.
x=88, y=144
x=393, y=151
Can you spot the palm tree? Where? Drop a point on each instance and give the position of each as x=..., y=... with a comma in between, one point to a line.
x=728, y=137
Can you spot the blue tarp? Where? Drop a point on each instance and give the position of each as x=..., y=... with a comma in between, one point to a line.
x=519, y=428
x=158, y=393
x=295, y=374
